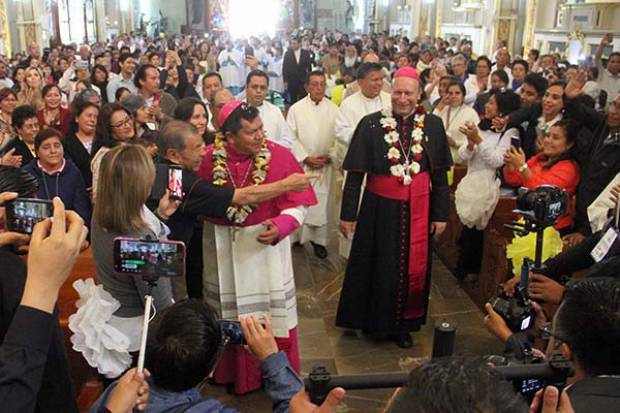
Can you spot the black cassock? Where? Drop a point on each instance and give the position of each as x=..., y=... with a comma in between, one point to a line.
x=375, y=294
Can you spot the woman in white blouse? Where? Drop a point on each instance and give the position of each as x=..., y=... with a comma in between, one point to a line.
x=456, y=115
x=477, y=85
x=478, y=192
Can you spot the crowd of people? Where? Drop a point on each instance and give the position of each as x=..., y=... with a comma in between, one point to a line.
x=268, y=133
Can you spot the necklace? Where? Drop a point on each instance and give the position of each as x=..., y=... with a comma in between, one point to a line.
x=403, y=171
x=221, y=175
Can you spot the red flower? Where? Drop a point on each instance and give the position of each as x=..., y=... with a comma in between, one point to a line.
x=420, y=110
x=418, y=156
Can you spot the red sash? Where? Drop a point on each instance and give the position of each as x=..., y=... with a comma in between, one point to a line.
x=418, y=195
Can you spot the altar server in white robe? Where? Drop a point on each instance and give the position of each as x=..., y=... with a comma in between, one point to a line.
x=369, y=99
x=231, y=61
x=276, y=128
x=312, y=121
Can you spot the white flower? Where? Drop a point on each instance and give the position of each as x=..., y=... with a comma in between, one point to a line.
x=388, y=122
x=406, y=180
x=391, y=137
x=414, y=168
x=417, y=134
x=397, y=170
x=393, y=153
x=417, y=148
x=418, y=118
x=386, y=112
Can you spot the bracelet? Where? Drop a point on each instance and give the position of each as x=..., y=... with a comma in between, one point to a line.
x=523, y=167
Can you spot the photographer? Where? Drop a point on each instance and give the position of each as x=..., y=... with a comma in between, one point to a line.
x=33, y=365
x=184, y=345
x=586, y=329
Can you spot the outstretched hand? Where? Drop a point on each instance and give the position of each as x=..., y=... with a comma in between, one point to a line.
x=301, y=403
x=575, y=86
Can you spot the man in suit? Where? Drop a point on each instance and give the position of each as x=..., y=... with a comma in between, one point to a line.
x=295, y=68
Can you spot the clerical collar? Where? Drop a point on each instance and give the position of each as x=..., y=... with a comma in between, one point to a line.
x=234, y=156
x=370, y=99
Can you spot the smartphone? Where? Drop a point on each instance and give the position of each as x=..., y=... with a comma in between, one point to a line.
x=249, y=51
x=23, y=213
x=231, y=332
x=610, y=37
x=516, y=143
x=175, y=182
x=133, y=256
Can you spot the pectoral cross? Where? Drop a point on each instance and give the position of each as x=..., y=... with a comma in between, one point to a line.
x=233, y=232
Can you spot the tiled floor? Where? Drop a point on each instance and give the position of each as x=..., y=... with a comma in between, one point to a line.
x=321, y=343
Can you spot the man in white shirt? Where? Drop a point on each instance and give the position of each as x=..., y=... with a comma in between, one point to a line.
x=276, y=128
x=502, y=59
x=312, y=121
x=125, y=78
x=608, y=78
x=4, y=80
x=369, y=99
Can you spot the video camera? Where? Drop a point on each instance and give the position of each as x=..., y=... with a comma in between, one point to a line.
x=540, y=208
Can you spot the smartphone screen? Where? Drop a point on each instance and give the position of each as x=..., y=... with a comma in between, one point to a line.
x=23, y=213
x=175, y=182
x=149, y=258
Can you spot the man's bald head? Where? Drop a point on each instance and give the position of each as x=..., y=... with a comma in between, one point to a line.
x=220, y=98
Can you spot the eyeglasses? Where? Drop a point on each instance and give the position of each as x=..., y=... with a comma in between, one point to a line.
x=126, y=121
x=546, y=333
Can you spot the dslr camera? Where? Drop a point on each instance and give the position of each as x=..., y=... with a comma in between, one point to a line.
x=540, y=208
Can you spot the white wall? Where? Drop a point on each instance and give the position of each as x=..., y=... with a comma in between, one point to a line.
x=174, y=10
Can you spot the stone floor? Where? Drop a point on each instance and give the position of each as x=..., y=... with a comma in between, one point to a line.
x=321, y=343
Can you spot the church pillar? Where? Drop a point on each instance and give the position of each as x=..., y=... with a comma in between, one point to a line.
x=530, y=25
x=5, y=35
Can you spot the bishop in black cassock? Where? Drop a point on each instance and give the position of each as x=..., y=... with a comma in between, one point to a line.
x=387, y=280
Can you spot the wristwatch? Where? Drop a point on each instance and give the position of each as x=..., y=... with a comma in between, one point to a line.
x=523, y=167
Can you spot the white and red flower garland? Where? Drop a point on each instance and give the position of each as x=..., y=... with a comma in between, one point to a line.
x=404, y=166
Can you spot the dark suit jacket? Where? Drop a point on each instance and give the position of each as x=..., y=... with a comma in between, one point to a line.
x=596, y=395
x=20, y=149
x=80, y=157
x=295, y=73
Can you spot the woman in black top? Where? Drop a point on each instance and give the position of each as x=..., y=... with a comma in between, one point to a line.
x=78, y=144
x=26, y=124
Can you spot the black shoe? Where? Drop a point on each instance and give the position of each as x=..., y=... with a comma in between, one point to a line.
x=402, y=340
x=297, y=244
x=319, y=251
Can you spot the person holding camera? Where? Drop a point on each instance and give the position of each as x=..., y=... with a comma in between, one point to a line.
x=556, y=165
x=184, y=345
x=33, y=364
x=126, y=176
x=586, y=330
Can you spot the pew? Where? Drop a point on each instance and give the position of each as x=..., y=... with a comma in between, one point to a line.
x=85, y=379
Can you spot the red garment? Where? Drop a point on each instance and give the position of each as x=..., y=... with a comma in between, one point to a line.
x=417, y=194
x=64, y=121
x=281, y=165
x=564, y=175
x=237, y=366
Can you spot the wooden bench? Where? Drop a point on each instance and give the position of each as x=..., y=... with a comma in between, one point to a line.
x=85, y=378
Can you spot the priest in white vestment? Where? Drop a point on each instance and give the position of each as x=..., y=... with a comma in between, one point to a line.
x=369, y=99
x=312, y=121
x=276, y=128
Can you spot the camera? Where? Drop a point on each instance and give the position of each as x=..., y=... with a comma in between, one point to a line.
x=542, y=205
x=517, y=310
x=231, y=332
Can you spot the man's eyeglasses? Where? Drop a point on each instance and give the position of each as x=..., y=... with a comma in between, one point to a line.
x=546, y=333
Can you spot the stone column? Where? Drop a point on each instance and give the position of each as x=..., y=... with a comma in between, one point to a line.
x=530, y=25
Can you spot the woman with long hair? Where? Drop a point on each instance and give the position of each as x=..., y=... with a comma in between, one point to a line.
x=30, y=93
x=114, y=127
x=18, y=78
x=79, y=142
x=477, y=194
x=194, y=112
x=53, y=115
x=8, y=102
x=125, y=181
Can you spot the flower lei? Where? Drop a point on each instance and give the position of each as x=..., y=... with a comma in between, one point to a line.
x=221, y=175
x=403, y=171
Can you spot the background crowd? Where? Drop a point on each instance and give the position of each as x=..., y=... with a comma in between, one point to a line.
x=92, y=123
